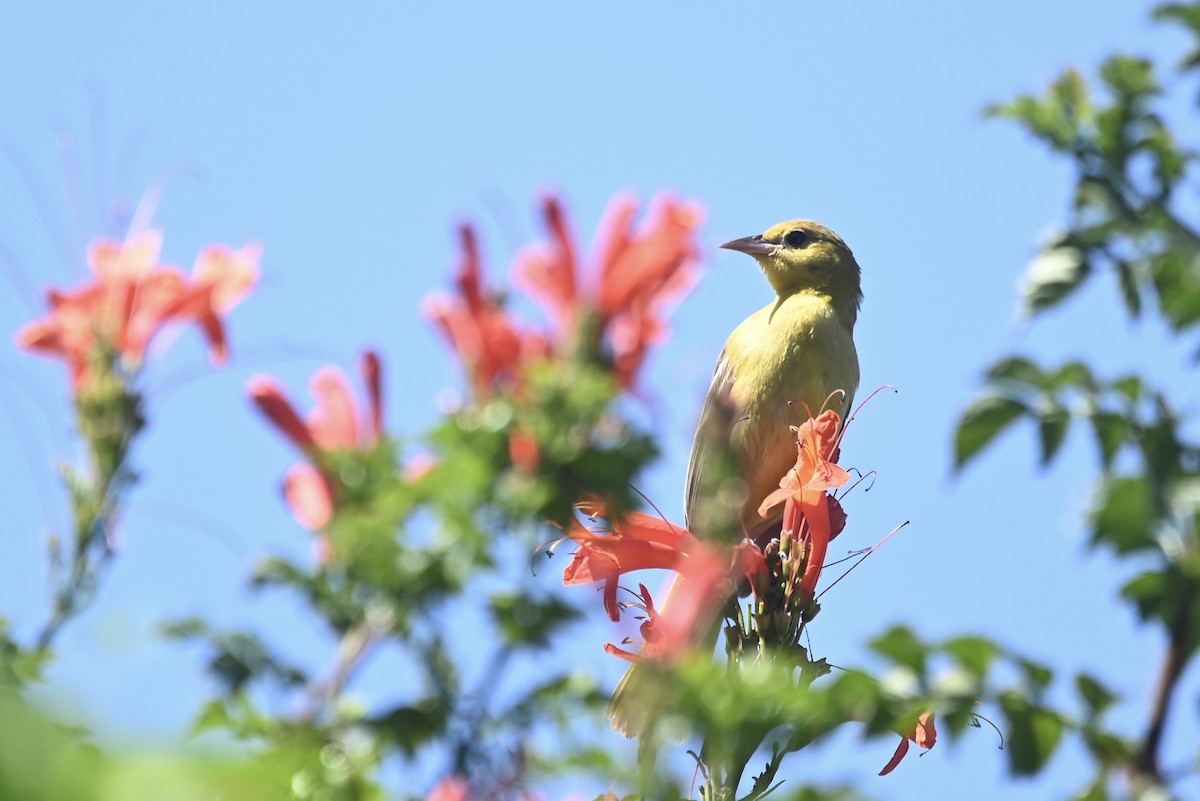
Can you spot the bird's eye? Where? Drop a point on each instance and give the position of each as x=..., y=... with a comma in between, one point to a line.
x=795, y=239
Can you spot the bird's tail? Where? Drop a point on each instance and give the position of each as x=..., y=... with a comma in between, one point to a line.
x=636, y=700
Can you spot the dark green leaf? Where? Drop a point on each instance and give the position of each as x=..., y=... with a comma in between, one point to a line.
x=1111, y=432
x=1131, y=387
x=1072, y=375
x=1097, y=697
x=1176, y=276
x=1188, y=15
x=1168, y=596
x=1108, y=749
x=1053, y=422
x=1130, y=291
x=1123, y=518
x=1149, y=591
x=981, y=423
x=409, y=727
x=1017, y=369
x=1033, y=734
x=1039, y=676
x=185, y=629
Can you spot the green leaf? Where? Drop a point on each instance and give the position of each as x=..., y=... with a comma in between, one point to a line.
x=1095, y=695
x=1033, y=734
x=1167, y=596
x=973, y=654
x=1017, y=369
x=1057, y=118
x=527, y=621
x=1123, y=516
x=1053, y=423
x=1130, y=292
x=213, y=715
x=1129, y=76
x=1096, y=791
x=1052, y=277
x=1072, y=375
x=1037, y=675
x=1111, y=431
x=42, y=760
x=1131, y=387
x=1188, y=15
x=409, y=727
x=1176, y=276
x=1108, y=749
x=1148, y=591
x=901, y=645
x=981, y=423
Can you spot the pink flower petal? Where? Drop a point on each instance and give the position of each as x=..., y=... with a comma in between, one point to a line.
x=227, y=274
x=268, y=396
x=372, y=375
x=334, y=421
x=308, y=496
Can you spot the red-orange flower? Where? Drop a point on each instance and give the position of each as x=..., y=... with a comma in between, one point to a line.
x=131, y=297
x=638, y=542
x=807, y=507
x=451, y=788
x=636, y=275
x=335, y=423
x=924, y=734
x=706, y=577
x=524, y=451
x=492, y=347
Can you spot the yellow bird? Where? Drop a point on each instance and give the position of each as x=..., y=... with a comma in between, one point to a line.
x=782, y=361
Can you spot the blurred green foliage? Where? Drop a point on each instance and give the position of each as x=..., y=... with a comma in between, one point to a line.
x=1129, y=218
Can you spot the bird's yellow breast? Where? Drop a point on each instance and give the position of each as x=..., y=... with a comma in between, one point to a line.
x=784, y=360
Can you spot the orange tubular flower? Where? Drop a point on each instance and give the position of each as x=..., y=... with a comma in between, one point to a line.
x=706, y=577
x=336, y=423
x=637, y=275
x=491, y=346
x=807, y=508
x=131, y=297
x=639, y=542
x=924, y=734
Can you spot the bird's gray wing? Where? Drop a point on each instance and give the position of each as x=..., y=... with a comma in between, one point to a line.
x=712, y=460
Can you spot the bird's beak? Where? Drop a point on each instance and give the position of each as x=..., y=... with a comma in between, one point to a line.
x=751, y=245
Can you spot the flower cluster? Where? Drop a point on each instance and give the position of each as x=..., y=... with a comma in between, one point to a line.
x=616, y=308
x=335, y=424
x=811, y=516
x=706, y=576
x=131, y=297
x=782, y=574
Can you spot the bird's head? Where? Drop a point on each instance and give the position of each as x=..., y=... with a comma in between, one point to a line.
x=805, y=256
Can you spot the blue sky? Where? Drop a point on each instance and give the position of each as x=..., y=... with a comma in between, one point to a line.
x=350, y=143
